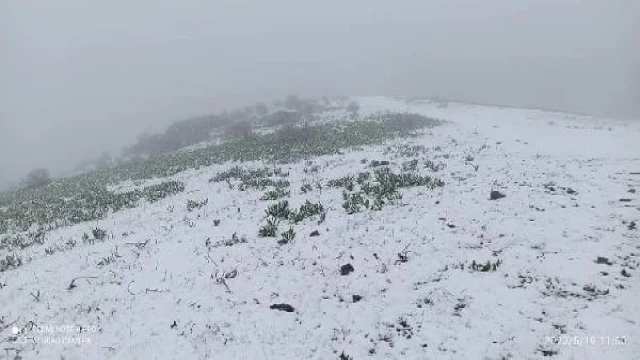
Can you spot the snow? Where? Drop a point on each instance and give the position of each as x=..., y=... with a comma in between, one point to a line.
x=159, y=298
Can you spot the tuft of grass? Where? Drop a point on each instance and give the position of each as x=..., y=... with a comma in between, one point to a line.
x=10, y=262
x=486, y=267
x=280, y=210
x=234, y=240
x=109, y=259
x=306, y=210
x=258, y=179
x=306, y=187
x=287, y=236
x=270, y=229
x=99, y=234
x=193, y=205
x=275, y=194
x=383, y=190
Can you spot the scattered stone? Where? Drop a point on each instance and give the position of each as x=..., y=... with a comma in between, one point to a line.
x=625, y=273
x=282, y=307
x=346, y=269
x=632, y=225
x=603, y=260
x=376, y=163
x=356, y=298
x=315, y=233
x=548, y=352
x=495, y=195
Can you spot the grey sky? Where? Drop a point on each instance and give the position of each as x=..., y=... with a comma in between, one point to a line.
x=80, y=77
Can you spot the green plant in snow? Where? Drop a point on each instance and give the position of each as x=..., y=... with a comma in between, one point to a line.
x=354, y=202
x=287, y=236
x=433, y=166
x=306, y=210
x=192, y=204
x=109, y=259
x=86, y=197
x=306, y=187
x=363, y=177
x=270, y=229
x=280, y=210
x=411, y=165
x=345, y=182
x=235, y=240
x=384, y=189
x=99, y=234
x=10, y=262
x=80, y=203
x=254, y=178
x=275, y=194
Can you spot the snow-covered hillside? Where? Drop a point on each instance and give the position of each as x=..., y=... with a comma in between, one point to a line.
x=545, y=266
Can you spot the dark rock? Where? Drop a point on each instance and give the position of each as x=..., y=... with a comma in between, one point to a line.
x=632, y=225
x=282, y=307
x=603, y=260
x=495, y=195
x=625, y=273
x=376, y=163
x=625, y=200
x=315, y=233
x=356, y=298
x=346, y=269
x=174, y=325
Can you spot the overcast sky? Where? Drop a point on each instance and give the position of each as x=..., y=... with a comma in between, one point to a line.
x=80, y=77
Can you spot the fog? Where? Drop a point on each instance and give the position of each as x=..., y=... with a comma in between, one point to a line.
x=80, y=77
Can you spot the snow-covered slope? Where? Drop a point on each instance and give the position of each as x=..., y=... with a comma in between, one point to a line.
x=562, y=250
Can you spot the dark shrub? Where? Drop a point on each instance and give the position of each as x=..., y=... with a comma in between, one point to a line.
x=240, y=130
x=37, y=178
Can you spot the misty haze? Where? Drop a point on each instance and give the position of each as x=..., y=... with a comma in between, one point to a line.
x=334, y=180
